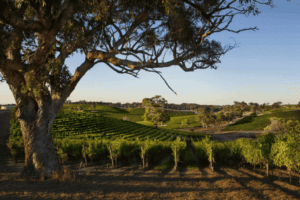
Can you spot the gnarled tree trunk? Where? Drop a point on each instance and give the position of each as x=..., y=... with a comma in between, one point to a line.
x=36, y=120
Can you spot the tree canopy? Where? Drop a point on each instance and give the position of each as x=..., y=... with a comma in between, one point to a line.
x=179, y=32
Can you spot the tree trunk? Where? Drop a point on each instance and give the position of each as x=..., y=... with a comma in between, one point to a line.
x=40, y=156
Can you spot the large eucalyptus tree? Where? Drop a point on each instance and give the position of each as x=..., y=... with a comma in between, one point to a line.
x=40, y=81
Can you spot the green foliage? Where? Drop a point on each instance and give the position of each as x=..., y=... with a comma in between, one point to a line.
x=180, y=149
x=146, y=116
x=153, y=113
x=203, y=110
x=185, y=123
x=207, y=119
x=251, y=123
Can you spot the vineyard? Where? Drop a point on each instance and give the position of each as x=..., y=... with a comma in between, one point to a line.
x=106, y=134
x=119, y=137
x=99, y=130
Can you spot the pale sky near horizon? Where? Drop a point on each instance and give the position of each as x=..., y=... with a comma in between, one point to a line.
x=262, y=68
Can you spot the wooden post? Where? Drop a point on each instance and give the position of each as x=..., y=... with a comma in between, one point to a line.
x=58, y=150
x=272, y=171
x=267, y=165
x=211, y=159
x=84, y=155
x=290, y=175
x=143, y=157
x=111, y=157
x=175, y=159
x=81, y=162
x=260, y=168
x=14, y=158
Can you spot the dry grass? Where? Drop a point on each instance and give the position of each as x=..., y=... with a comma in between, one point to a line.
x=131, y=182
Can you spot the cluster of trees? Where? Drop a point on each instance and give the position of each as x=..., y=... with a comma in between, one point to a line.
x=182, y=106
x=154, y=110
x=228, y=113
x=118, y=104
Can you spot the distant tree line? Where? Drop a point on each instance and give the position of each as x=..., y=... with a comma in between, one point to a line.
x=185, y=106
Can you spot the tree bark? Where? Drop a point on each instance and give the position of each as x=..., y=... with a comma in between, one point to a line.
x=40, y=156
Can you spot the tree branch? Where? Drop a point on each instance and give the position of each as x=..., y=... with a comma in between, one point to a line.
x=138, y=19
x=12, y=64
x=8, y=15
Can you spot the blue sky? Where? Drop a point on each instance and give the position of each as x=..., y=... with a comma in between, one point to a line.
x=263, y=68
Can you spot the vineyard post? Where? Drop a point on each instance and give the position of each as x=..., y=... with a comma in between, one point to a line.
x=268, y=162
x=58, y=147
x=272, y=167
x=290, y=175
x=13, y=155
x=279, y=175
x=84, y=155
x=111, y=156
x=175, y=159
x=211, y=158
x=260, y=168
x=143, y=157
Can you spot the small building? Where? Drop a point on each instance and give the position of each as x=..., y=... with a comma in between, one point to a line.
x=7, y=107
